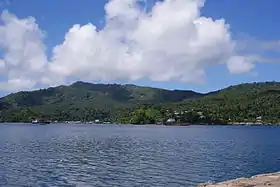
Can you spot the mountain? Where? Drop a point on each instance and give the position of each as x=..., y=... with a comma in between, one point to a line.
x=244, y=102
x=96, y=93
x=86, y=101
x=82, y=96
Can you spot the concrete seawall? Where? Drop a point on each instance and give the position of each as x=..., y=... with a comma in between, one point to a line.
x=272, y=180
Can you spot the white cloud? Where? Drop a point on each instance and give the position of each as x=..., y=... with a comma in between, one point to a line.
x=171, y=42
x=17, y=84
x=249, y=44
x=240, y=64
x=24, y=59
x=2, y=66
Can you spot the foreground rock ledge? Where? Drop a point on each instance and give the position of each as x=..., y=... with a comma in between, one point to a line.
x=272, y=180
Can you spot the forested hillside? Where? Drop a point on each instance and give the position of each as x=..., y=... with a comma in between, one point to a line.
x=134, y=104
x=84, y=101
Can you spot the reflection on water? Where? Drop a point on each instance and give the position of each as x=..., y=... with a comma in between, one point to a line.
x=99, y=155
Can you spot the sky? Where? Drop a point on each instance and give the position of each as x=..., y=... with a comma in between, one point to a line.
x=174, y=44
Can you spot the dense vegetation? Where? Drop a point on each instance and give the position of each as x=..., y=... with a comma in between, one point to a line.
x=240, y=103
x=141, y=105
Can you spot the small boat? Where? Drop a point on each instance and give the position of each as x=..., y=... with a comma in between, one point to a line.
x=174, y=123
x=41, y=122
x=184, y=124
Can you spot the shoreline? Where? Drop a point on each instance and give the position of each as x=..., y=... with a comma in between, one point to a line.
x=261, y=180
x=175, y=125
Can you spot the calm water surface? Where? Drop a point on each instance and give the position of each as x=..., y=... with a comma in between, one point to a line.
x=111, y=155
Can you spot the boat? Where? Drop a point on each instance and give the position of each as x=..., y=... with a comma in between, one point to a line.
x=183, y=124
x=173, y=122
x=40, y=122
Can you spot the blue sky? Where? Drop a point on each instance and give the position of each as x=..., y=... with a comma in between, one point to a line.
x=257, y=19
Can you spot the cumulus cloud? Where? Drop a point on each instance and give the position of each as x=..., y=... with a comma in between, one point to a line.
x=17, y=84
x=171, y=42
x=240, y=64
x=24, y=59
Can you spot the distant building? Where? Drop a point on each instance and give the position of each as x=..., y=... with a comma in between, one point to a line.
x=176, y=113
x=202, y=117
x=171, y=120
x=259, y=118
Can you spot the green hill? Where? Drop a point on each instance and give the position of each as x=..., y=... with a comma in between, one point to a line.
x=244, y=102
x=79, y=99
x=136, y=104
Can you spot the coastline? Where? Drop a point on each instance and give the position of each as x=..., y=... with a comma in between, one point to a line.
x=270, y=179
x=183, y=125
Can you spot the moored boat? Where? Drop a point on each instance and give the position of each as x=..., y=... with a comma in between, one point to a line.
x=40, y=122
x=173, y=122
x=184, y=124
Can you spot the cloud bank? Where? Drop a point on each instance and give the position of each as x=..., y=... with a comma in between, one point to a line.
x=171, y=42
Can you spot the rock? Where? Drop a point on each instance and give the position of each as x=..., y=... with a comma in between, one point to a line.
x=272, y=180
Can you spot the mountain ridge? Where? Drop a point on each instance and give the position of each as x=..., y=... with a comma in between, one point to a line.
x=117, y=92
x=134, y=85
x=100, y=100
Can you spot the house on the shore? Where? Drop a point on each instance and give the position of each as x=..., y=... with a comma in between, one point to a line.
x=170, y=121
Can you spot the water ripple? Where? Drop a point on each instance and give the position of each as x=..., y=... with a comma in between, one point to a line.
x=98, y=155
